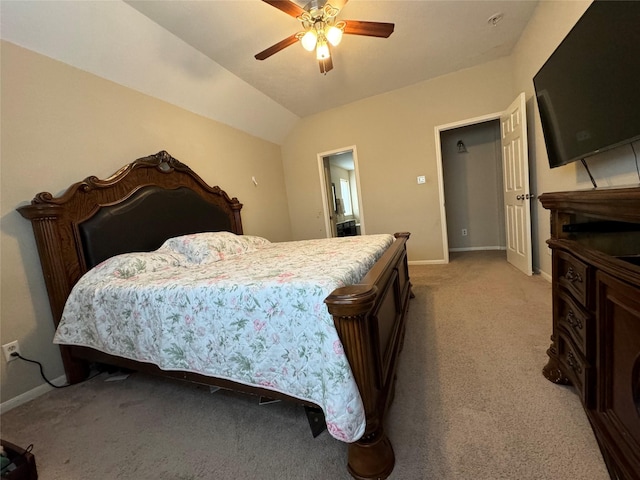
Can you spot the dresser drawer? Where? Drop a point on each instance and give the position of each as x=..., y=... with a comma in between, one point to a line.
x=575, y=276
x=575, y=367
x=574, y=320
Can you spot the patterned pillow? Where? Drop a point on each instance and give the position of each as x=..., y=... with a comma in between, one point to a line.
x=129, y=265
x=213, y=246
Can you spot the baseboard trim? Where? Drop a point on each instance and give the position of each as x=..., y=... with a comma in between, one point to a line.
x=30, y=395
x=427, y=262
x=442, y=261
x=546, y=276
x=474, y=249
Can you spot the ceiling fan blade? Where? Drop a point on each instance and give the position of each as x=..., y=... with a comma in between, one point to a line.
x=287, y=7
x=326, y=65
x=281, y=45
x=370, y=29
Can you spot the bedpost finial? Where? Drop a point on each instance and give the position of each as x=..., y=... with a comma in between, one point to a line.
x=42, y=197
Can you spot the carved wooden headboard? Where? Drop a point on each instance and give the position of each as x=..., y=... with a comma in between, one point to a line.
x=136, y=209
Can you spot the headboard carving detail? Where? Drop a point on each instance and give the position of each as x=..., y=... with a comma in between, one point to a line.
x=62, y=224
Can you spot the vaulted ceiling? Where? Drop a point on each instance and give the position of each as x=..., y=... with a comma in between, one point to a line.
x=199, y=55
x=431, y=38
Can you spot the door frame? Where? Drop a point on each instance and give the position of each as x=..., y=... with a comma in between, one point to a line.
x=324, y=181
x=438, y=129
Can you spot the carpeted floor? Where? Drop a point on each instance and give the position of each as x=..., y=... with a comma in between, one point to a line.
x=471, y=403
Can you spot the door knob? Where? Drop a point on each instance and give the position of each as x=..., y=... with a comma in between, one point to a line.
x=519, y=197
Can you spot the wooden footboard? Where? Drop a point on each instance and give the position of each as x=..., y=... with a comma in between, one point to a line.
x=370, y=319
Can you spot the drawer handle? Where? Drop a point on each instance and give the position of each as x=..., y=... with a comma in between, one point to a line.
x=573, y=321
x=573, y=276
x=573, y=363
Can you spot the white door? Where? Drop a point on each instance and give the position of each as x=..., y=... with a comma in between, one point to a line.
x=517, y=198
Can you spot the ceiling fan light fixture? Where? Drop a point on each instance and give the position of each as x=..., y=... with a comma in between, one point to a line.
x=309, y=40
x=322, y=50
x=321, y=30
x=334, y=35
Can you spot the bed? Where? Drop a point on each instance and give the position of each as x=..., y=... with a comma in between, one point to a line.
x=154, y=207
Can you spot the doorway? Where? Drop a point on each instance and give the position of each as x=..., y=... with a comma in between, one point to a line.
x=515, y=185
x=472, y=178
x=340, y=187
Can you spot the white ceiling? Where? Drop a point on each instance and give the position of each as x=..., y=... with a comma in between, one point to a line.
x=431, y=38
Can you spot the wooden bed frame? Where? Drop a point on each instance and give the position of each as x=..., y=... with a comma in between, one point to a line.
x=157, y=197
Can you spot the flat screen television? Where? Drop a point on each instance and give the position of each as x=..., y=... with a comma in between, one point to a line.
x=588, y=91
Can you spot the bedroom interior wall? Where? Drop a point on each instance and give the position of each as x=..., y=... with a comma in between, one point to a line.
x=61, y=125
x=547, y=28
x=115, y=41
x=394, y=135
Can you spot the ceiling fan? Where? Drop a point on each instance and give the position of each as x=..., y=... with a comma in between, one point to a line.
x=322, y=30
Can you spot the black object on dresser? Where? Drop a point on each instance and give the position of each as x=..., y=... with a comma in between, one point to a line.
x=595, y=242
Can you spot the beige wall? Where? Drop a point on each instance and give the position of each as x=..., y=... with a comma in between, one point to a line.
x=549, y=25
x=60, y=125
x=547, y=28
x=394, y=135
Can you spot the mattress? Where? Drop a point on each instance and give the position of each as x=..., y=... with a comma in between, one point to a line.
x=234, y=307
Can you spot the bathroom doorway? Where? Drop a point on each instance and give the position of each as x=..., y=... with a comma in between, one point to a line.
x=340, y=186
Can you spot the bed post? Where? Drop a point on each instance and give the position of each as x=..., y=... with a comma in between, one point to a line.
x=371, y=457
x=370, y=320
x=59, y=273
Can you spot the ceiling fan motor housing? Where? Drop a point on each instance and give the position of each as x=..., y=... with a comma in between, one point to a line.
x=314, y=7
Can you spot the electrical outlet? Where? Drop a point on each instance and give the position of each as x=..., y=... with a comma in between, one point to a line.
x=464, y=232
x=9, y=348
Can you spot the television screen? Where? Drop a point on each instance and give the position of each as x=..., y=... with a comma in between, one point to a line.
x=588, y=91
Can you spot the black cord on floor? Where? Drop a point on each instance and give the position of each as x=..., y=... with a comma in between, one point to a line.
x=15, y=354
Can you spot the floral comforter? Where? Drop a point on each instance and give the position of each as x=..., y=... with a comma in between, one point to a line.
x=233, y=307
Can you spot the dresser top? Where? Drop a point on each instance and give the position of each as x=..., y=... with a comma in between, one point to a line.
x=621, y=204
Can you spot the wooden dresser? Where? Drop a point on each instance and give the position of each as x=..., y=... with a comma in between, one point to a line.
x=595, y=242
